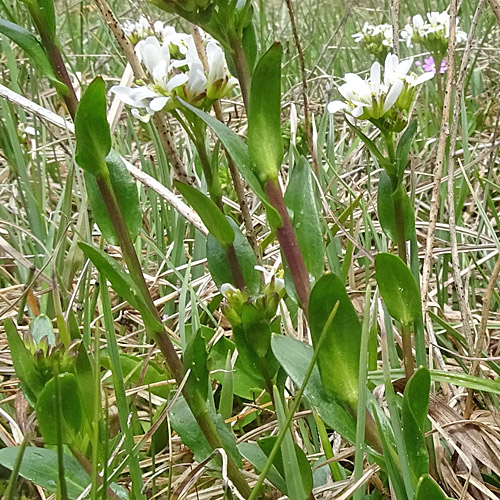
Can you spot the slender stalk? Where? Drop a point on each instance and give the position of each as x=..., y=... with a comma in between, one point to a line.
x=290, y=245
x=242, y=69
x=408, y=360
x=193, y=398
x=215, y=192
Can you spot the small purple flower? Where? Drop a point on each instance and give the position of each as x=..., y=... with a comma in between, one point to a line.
x=430, y=67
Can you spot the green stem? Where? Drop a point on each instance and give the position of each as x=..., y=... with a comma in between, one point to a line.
x=215, y=192
x=242, y=69
x=196, y=403
x=289, y=244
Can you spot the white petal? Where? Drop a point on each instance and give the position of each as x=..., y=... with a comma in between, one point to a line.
x=375, y=75
x=358, y=86
x=144, y=118
x=177, y=80
x=422, y=78
x=216, y=62
x=357, y=111
x=158, y=103
x=227, y=287
x=393, y=95
x=136, y=96
x=336, y=106
x=404, y=66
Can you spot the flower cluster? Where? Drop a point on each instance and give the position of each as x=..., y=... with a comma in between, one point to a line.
x=175, y=70
x=432, y=33
x=375, y=38
x=430, y=66
x=384, y=102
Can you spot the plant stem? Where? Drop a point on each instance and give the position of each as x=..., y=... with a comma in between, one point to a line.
x=193, y=398
x=215, y=192
x=290, y=245
x=242, y=70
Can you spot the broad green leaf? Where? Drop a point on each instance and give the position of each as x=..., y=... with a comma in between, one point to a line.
x=294, y=357
x=265, y=143
x=40, y=466
x=414, y=417
x=338, y=359
x=254, y=454
x=41, y=327
x=398, y=288
x=195, y=358
x=403, y=148
x=257, y=329
x=93, y=138
x=43, y=14
x=218, y=263
x=184, y=423
x=428, y=489
x=298, y=479
x=238, y=151
x=125, y=190
x=300, y=198
x=248, y=383
x=385, y=208
x=31, y=381
x=27, y=41
x=70, y=409
x=249, y=42
x=121, y=281
x=217, y=224
x=132, y=367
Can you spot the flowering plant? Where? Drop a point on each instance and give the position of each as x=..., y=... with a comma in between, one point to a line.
x=176, y=70
x=375, y=38
x=432, y=33
x=383, y=101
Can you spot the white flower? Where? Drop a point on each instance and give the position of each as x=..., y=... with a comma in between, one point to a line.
x=433, y=33
x=374, y=97
x=279, y=283
x=219, y=81
x=375, y=33
x=227, y=289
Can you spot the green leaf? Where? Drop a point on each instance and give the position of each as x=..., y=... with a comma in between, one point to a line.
x=125, y=190
x=249, y=42
x=257, y=329
x=398, y=288
x=298, y=477
x=121, y=281
x=93, y=138
x=40, y=466
x=218, y=263
x=31, y=381
x=70, y=410
x=300, y=198
x=195, y=358
x=184, y=423
x=294, y=357
x=132, y=368
x=428, y=489
x=414, y=417
x=468, y=381
x=238, y=151
x=256, y=456
x=27, y=41
x=338, y=359
x=265, y=143
x=217, y=224
x=385, y=208
x=248, y=382
x=46, y=8
x=372, y=147
x=41, y=327
x=403, y=149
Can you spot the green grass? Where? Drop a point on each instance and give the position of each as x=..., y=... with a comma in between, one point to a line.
x=44, y=212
